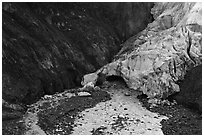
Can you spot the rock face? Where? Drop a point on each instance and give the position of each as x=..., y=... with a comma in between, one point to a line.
x=191, y=89
x=11, y=111
x=48, y=47
x=154, y=60
x=128, y=18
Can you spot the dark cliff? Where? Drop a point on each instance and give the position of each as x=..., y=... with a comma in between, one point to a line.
x=48, y=47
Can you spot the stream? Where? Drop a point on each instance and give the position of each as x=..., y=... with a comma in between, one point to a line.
x=123, y=114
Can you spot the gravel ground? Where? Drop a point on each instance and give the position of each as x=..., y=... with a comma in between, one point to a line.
x=112, y=110
x=13, y=127
x=56, y=114
x=122, y=115
x=182, y=120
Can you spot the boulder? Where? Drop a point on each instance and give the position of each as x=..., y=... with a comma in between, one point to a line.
x=89, y=79
x=88, y=87
x=84, y=94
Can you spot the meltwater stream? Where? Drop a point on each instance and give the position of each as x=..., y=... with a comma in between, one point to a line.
x=123, y=114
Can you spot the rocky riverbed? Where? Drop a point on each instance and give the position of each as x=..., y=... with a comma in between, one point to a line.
x=112, y=109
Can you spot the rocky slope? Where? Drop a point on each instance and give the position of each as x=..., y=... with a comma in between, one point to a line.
x=48, y=47
x=157, y=59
